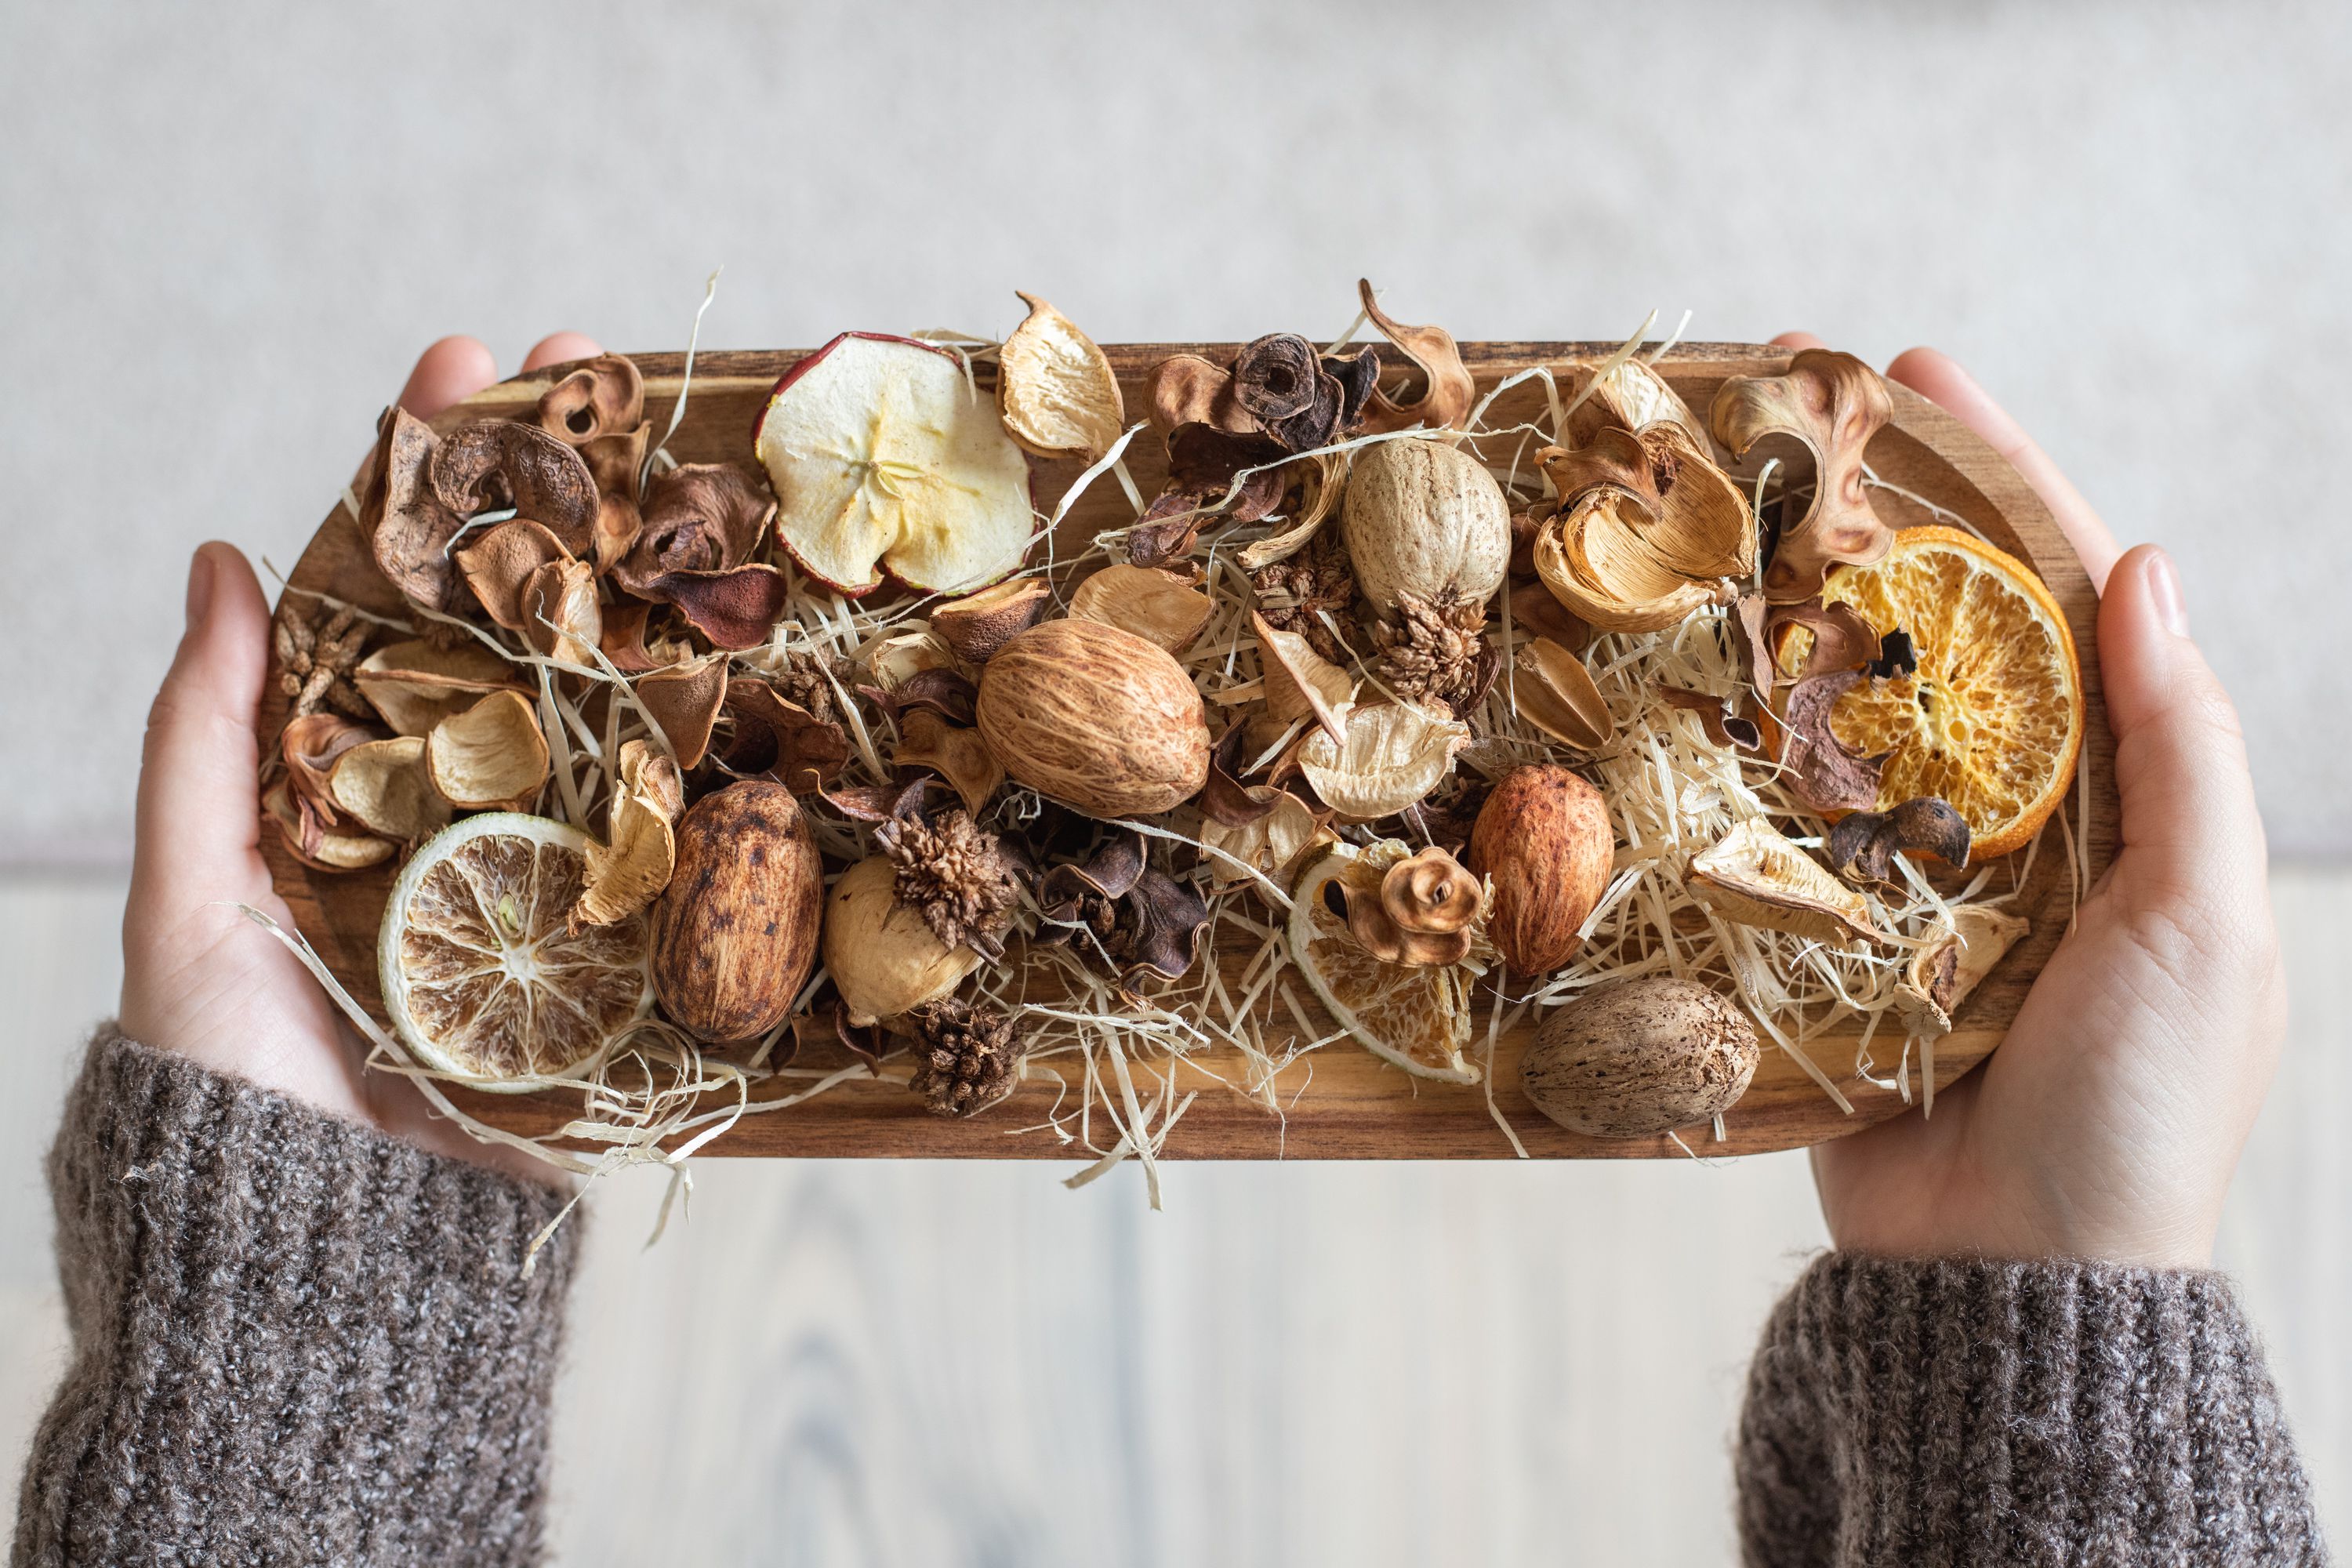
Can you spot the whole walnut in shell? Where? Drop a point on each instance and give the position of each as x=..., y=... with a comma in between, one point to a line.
x=1639, y=1057
x=1426, y=519
x=735, y=934
x=1098, y=718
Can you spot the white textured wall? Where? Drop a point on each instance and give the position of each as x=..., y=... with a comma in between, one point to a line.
x=225, y=229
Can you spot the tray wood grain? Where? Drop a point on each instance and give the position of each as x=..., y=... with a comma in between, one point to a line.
x=1355, y=1107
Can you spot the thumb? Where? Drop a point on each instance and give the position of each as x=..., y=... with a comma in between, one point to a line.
x=199, y=798
x=2192, y=835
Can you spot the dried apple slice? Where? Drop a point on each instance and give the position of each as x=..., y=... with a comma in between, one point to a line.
x=886, y=460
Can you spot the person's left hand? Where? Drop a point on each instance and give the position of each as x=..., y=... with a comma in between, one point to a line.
x=198, y=978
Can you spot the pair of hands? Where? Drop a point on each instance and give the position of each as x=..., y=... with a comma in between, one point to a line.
x=2106, y=1127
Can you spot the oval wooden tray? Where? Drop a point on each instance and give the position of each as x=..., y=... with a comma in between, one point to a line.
x=1355, y=1107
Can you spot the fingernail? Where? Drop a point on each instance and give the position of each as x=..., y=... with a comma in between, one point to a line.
x=2164, y=587
x=200, y=588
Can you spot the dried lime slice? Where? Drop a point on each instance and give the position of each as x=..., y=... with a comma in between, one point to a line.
x=481, y=978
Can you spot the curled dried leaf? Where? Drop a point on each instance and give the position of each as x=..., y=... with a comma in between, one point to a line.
x=416, y=684
x=1158, y=606
x=1863, y=845
x=1945, y=972
x=1722, y=723
x=1816, y=765
x=490, y=756
x=309, y=840
x=1551, y=690
x=1301, y=683
x=1833, y=404
x=1449, y=390
x=491, y=464
x=977, y=625
x=735, y=609
x=501, y=564
x=604, y=398
x=1055, y=389
x=684, y=699
x=698, y=518
x=1754, y=877
x=782, y=740
x=407, y=527
x=383, y=786
x=1393, y=755
x=957, y=754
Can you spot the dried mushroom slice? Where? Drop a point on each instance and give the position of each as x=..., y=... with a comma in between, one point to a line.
x=1157, y=604
x=385, y=785
x=1551, y=690
x=604, y=397
x=1834, y=404
x=1393, y=756
x=490, y=756
x=1756, y=877
x=1055, y=389
x=416, y=685
x=491, y=464
x=1943, y=974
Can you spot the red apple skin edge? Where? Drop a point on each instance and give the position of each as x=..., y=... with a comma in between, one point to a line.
x=889, y=578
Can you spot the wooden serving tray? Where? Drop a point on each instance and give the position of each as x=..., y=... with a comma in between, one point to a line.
x=1356, y=1106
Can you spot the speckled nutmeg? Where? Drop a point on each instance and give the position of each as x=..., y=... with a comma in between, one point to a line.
x=1639, y=1057
x=735, y=934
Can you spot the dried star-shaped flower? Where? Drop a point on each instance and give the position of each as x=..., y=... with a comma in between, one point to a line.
x=1437, y=652
x=316, y=656
x=1292, y=595
x=968, y=1057
x=957, y=874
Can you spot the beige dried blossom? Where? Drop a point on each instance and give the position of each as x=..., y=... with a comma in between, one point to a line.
x=1437, y=652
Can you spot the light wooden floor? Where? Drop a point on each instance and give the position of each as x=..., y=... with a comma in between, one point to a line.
x=1363, y=1364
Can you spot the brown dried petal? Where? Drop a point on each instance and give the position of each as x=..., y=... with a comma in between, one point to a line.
x=604, y=396
x=1724, y=727
x=618, y=523
x=614, y=462
x=1841, y=637
x=491, y=755
x=1451, y=389
x=1187, y=389
x=955, y=754
x=1203, y=457
x=1055, y=389
x=1834, y=404
x=311, y=745
x=310, y=842
x=1862, y=846
x=383, y=786
x=1818, y=767
x=1167, y=918
x=624, y=641
x=684, y=699
x=1160, y=606
x=1551, y=690
x=492, y=463
x=977, y=625
x=500, y=562
x=782, y=740
x=560, y=617
x=735, y=609
x=416, y=685
x=879, y=803
x=698, y=518
x=1224, y=799
x=1112, y=871
x=408, y=529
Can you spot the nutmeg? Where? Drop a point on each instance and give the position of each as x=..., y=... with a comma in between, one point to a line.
x=1544, y=838
x=881, y=954
x=735, y=934
x=1639, y=1057
x=1099, y=719
x=1424, y=518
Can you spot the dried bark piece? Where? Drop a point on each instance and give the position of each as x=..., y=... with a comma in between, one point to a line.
x=684, y=700
x=1754, y=877
x=1055, y=389
x=1158, y=606
x=407, y=527
x=491, y=756
x=1552, y=690
x=416, y=684
x=1833, y=404
x=781, y=740
x=604, y=398
x=957, y=754
x=1445, y=400
x=384, y=786
x=1862, y=846
x=632, y=867
x=492, y=463
x=1818, y=767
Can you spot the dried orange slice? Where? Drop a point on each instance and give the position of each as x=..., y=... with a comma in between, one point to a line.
x=1416, y=1017
x=481, y=977
x=1993, y=719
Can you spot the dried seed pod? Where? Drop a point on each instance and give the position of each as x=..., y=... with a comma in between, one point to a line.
x=1551, y=690
x=977, y=625
x=1834, y=404
x=1424, y=518
x=883, y=957
x=1055, y=389
x=1422, y=913
x=492, y=756
x=493, y=463
x=1629, y=395
x=1754, y=877
x=1647, y=531
x=1394, y=753
x=1103, y=720
x=385, y=785
x=1545, y=842
x=1639, y=1057
x=735, y=934
x=1157, y=604
x=601, y=398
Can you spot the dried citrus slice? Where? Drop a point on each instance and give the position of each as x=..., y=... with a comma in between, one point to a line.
x=1993, y=719
x=1416, y=1017
x=479, y=974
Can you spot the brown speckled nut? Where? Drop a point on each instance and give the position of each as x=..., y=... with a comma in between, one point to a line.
x=1639, y=1057
x=735, y=934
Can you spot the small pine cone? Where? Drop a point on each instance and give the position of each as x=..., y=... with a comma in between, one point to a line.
x=967, y=1057
x=956, y=872
x=1437, y=652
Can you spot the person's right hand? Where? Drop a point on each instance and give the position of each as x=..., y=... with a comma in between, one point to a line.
x=2107, y=1124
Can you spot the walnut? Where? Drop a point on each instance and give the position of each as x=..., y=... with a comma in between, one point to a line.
x=957, y=874
x=1291, y=594
x=967, y=1057
x=316, y=656
x=1437, y=652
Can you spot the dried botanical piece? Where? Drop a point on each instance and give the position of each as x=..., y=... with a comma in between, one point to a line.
x=1629, y=395
x=1422, y=914
x=977, y=625
x=316, y=657
x=1718, y=718
x=489, y=464
x=736, y=609
x=383, y=784
x=683, y=700
x=1896, y=656
x=735, y=934
x=1818, y=767
x=492, y=756
x=968, y=1057
x=1295, y=594
x=1834, y=637
x=1224, y=798
x=1863, y=844
x=311, y=841
x=1211, y=474
x=1756, y=877
x=1640, y=1057
x=1055, y=389
x=500, y=562
x=1427, y=519
x=1144, y=921
x=1834, y=404
x=1418, y=1017
x=1551, y=690
x=957, y=754
x=1437, y=651
x=1450, y=390
x=1276, y=842
x=416, y=685
x=1648, y=530
x=815, y=678
x=310, y=745
x=1394, y=753
x=957, y=875
x=1189, y=390
x=782, y=740
x=407, y=527
x=1300, y=682
x=698, y=517
x=630, y=868
x=1544, y=842
x=883, y=956
x=1943, y=974
x=560, y=615
x=1103, y=720
x=618, y=524
x=1156, y=604
x=1280, y=382
x=604, y=397
x=616, y=462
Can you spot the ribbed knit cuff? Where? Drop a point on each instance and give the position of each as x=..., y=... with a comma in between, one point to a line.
x=1972, y=1411
x=295, y=1339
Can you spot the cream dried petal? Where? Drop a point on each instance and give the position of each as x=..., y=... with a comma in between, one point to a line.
x=1056, y=390
x=1156, y=604
x=1551, y=690
x=1754, y=876
x=630, y=868
x=1393, y=755
x=1943, y=974
x=491, y=755
x=416, y=685
x=1301, y=683
x=383, y=785
x=1275, y=844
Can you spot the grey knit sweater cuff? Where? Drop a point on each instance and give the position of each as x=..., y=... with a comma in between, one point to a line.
x=295, y=1339
x=1972, y=1411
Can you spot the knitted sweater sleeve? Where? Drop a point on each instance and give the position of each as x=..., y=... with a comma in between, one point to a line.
x=294, y=1340
x=1960, y=1411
